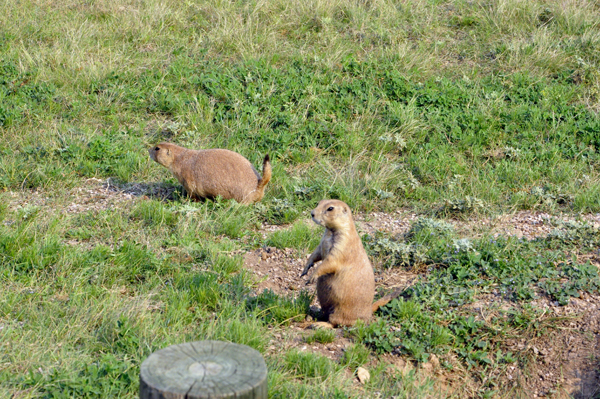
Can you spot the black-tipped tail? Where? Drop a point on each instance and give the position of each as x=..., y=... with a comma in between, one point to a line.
x=266, y=176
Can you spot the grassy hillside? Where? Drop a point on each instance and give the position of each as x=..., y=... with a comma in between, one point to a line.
x=419, y=102
x=448, y=108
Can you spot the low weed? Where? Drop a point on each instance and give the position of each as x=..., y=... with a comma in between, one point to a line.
x=572, y=234
x=424, y=234
x=310, y=366
x=355, y=356
x=279, y=211
x=272, y=308
x=454, y=207
x=300, y=236
x=322, y=336
x=154, y=213
x=235, y=326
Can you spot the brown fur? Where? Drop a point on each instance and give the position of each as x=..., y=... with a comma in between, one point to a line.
x=214, y=172
x=345, y=279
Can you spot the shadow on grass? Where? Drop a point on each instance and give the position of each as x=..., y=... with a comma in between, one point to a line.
x=166, y=192
x=589, y=385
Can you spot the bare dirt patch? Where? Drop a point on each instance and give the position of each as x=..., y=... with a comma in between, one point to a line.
x=279, y=270
x=276, y=269
x=562, y=362
x=526, y=224
x=92, y=195
x=294, y=336
x=95, y=194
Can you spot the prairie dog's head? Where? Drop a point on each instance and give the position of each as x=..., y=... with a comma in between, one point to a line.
x=332, y=214
x=163, y=153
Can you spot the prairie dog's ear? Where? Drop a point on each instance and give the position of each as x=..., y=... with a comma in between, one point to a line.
x=345, y=208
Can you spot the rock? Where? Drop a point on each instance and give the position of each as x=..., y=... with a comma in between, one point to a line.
x=321, y=324
x=427, y=367
x=407, y=369
x=363, y=375
x=435, y=362
x=400, y=363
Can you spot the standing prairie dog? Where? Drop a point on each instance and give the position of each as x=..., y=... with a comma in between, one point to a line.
x=345, y=279
x=214, y=172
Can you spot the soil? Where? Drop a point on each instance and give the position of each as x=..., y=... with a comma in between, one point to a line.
x=563, y=363
x=566, y=360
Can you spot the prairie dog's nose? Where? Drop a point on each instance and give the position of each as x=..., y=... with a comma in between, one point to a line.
x=312, y=213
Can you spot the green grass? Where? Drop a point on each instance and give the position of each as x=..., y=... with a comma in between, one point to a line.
x=361, y=122
x=322, y=336
x=300, y=236
x=453, y=109
x=355, y=356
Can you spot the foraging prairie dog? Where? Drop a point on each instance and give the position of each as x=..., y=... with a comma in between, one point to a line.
x=213, y=172
x=345, y=279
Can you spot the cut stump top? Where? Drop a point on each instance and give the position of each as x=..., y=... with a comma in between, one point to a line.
x=203, y=370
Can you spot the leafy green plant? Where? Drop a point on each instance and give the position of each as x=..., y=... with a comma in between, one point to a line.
x=461, y=206
x=415, y=251
x=415, y=332
x=573, y=233
x=394, y=253
x=427, y=230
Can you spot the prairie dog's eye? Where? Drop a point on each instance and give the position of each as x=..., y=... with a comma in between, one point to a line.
x=156, y=148
x=330, y=209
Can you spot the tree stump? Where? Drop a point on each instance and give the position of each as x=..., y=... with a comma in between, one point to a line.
x=203, y=370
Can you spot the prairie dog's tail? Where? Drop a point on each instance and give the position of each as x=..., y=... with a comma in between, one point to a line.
x=266, y=176
x=384, y=300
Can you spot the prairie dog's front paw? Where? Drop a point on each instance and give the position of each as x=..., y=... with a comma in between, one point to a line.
x=306, y=269
x=311, y=279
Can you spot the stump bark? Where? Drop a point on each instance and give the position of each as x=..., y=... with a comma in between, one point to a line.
x=203, y=370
